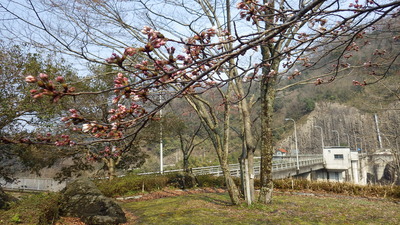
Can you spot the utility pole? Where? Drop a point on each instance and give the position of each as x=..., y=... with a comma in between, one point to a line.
x=348, y=139
x=377, y=131
x=161, y=141
x=322, y=136
x=338, y=141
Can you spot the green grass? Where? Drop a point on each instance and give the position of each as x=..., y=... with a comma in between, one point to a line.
x=215, y=208
x=209, y=208
x=37, y=208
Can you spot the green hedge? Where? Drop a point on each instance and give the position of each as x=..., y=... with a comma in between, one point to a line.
x=382, y=191
x=132, y=184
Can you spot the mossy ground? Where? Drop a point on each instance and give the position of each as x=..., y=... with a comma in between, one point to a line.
x=215, y=208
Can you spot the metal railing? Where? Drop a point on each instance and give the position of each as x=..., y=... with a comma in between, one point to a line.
x=279, y=163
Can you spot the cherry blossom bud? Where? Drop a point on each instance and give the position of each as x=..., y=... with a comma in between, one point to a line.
x=146, y=30
x=135, y=98
x=130, y=51
x=272, y=73
x=86, y=128
x=116, y=100
x=180, y=57
x=60, y=79
x=30, y=79
x=38, y=95
x=43, y=76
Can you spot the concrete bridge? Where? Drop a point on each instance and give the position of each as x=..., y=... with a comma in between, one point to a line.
x=335, y=164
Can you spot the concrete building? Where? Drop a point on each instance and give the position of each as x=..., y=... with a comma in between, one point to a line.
x=341, y=164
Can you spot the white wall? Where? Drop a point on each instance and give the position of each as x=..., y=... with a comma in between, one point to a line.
x=337, y=158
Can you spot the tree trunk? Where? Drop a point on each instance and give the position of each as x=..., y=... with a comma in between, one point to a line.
x=246, y=161
x=250, y=159
x=221, y=144
x=267, y=105
x=111, y=168
x=186, y=164
x=233, y=191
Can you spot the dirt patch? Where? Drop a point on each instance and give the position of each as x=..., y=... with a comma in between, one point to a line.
x=70, y=221
x=168, y=193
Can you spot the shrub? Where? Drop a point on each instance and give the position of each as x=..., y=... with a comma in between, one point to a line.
x=38, y=208
x=131, y=184
x=211, y=181
x=182, y=180
x=339, y=188
x=49, y=212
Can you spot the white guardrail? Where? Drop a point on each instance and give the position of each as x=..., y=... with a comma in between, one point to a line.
x=33, y=184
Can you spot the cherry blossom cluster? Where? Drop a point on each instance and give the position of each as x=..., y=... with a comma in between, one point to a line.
x=251, y=10
x=74, y=117
x=49, y=87
x=358, y=6
x=108, y=153
x=176, y=68
x=98, y=130
x=379, y=52
x=295, y=73
x=65, y=140
x=357, y=83
x=318, y=81
x=156, y=39
x=122, y=112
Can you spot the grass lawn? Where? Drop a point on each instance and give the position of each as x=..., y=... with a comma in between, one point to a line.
x=215, y=208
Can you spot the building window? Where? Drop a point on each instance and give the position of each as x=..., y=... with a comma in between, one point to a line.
x=338, y=156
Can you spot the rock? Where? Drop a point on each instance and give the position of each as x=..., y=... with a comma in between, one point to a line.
x=130, y=197
x=83, y=199
x=389, y=174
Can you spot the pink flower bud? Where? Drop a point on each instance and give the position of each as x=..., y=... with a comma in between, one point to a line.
x=130, y=51
x=86, y=128
x=71, y=89
x=60, y=79
x=38, y=95
x=43, y=76
x=30, y=79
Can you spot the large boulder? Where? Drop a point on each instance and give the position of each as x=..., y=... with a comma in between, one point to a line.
x=81, y=198
x=390, y=174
